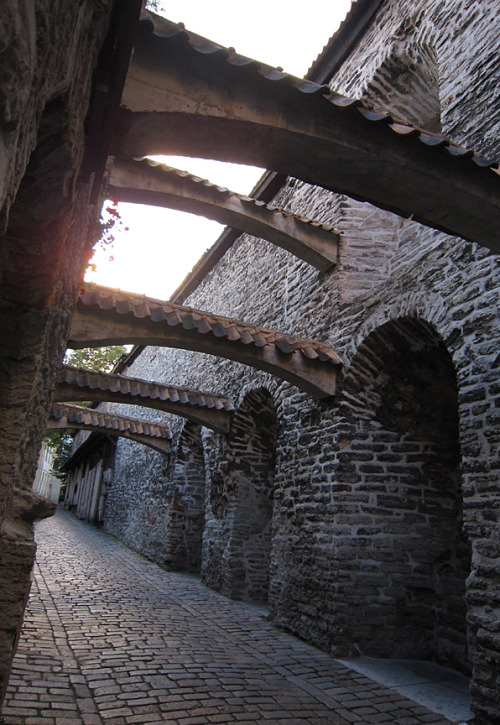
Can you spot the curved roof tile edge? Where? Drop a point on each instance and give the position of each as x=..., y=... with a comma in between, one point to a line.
x=82, y=377
x=108, y=298
x=242, y=197
x=147, y=428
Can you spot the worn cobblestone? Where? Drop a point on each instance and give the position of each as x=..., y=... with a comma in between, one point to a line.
x=110, y=638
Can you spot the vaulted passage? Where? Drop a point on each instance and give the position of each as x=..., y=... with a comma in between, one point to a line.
x=241, y=503
x=349, y=521
x=402, y=497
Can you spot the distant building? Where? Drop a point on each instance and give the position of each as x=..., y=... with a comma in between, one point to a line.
x=46, y=483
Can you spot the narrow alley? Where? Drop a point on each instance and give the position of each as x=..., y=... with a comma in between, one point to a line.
x=111, y=638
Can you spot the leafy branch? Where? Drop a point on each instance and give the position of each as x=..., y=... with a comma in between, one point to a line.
x=102, y=232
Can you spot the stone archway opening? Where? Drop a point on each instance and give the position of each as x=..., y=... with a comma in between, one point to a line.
x=402, y=453
x=241, y=502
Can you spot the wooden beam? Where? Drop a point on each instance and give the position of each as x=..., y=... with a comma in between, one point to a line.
x=211, y=411
x=105, y=316
x=187, y=96
x=147, y=182
x=148, y=433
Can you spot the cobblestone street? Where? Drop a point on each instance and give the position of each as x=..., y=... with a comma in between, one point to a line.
x=111, y=638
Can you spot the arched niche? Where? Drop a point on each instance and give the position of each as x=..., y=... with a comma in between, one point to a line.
x=399, y=476
x=187, y=505
x=239, y=538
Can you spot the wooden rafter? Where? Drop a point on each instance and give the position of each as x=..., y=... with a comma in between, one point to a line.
x=148, y=433
x=211, y=411
x=147, y=182
x=105, y=316
x=186, y=95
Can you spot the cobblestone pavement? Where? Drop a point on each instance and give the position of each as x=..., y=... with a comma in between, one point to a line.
x=111, y=638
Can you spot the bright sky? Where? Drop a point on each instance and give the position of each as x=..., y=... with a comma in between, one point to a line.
x=162, y=245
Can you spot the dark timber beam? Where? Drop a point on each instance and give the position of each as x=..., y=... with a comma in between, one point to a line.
x=105, y=316
x=148, y=433
x=185, y=95
x=146, y=182
x=211, y=411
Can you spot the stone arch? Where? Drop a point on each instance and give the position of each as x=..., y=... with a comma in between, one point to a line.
x=187, y=507
x=239, y=537
x=400, y=483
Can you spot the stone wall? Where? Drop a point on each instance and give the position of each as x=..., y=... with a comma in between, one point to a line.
x=187, y=510
x=238, y=536
x=387, y=513
x=382, y=497
x=49, y=52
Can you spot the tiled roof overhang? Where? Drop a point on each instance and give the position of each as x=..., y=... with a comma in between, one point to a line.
x=148, y=182
x=105, y=316
x=148, y=433
x=186, y=95
x=88, y=451
x=211, y=411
